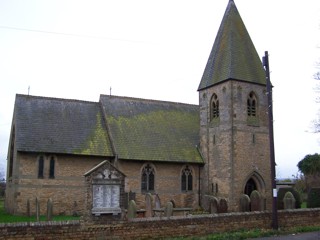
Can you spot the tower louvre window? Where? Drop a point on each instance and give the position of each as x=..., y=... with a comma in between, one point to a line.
x=214, y=107
x=252, y=105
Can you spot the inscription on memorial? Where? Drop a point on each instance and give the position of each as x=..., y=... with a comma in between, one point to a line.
x=106, y=199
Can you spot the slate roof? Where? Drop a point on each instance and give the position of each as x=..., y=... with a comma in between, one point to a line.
x=134, y=129
x=233, y=55
x=153, y=130
x=52, y=125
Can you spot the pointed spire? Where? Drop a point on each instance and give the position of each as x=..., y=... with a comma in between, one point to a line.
x=233, y=55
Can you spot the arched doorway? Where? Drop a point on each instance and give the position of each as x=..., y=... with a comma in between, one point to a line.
x=250, y=187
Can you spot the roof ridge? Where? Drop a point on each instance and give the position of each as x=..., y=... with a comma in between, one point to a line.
x=55, y=98
x=148, y=100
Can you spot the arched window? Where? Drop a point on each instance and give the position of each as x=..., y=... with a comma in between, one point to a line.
x=40, y=166
x=52, y=166
x=147, y=179
x=252, y=105
x=186, y=179
x=214, y=107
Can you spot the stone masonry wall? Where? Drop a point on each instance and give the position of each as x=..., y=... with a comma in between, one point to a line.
x=167, y=183
x=234, y=146
x=148, y=228
x=64, y=189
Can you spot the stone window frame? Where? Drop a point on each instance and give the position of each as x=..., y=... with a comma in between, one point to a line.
x=214, y=107
x=186, y=178
x=148, y=184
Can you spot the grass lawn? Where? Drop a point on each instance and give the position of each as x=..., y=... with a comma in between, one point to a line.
x=8, y=218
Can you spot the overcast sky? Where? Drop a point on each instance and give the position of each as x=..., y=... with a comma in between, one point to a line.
x=157, y=50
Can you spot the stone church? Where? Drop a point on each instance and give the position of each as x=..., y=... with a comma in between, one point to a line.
x=178, y=152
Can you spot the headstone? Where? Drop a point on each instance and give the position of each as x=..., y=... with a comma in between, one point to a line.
x=168, y=210
x=244, y=203
x=149, y=207
x=37, y=210
x=223, y=206
x=28, y=208
x=213, y=205
x=75, y=209
x=255, y=199
x=49, y=209
x=157, y=201
x=132, y=209
x=289, y=202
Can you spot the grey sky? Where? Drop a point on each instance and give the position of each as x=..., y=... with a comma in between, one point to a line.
x=156, y=49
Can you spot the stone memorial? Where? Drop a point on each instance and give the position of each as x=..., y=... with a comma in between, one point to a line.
x=168, y=210
x=244, y=203
x=37, y=210
x=157, y=202
x=255, y=199
x=49, y=209
x=213, y=205
x=223, y=206
x=289, y=202
x=149, y=207
x=28, y=208
x=132, y=210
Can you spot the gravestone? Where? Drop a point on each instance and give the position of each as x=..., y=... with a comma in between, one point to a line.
x=132, y=210
x=157, y=202
x=223, y=206
x=168, y=210
x=37, y=210
x=289, y=202
x=244, y=203
x=28, y=208
x=149, y=207
x=255, y=199
x=49, y=209
x=213, y=205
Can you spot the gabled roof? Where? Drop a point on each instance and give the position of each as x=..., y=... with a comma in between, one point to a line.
x=233, y=55
x=134, y=129
x=152, y=130
x=52, y=125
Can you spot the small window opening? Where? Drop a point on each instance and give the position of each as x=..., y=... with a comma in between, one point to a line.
x=251, y=105
x=214, y=107
x=51, y=169
x=40, y=167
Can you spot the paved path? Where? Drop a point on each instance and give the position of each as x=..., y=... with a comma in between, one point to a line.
x=298, y=236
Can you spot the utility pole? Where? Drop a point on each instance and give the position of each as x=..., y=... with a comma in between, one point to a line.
x=265, y=61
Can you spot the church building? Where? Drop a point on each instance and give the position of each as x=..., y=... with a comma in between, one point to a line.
x=178, y=152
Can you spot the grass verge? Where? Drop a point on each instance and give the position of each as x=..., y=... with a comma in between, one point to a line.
x=8, y=218
x=249, y=234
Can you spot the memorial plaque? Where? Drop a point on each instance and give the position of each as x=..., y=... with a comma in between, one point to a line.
x=106, y=199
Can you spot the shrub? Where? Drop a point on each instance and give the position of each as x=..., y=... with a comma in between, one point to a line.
x=313, y=198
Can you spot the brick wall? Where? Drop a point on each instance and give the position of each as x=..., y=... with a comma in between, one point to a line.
x=64, y=189
x=144, y=228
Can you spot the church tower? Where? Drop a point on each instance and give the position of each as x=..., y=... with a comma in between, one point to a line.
x=234, y=137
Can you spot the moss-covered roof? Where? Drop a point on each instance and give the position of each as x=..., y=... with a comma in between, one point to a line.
x=233, y=55
x=134, y=129
x=152, y=130
x=53, y=125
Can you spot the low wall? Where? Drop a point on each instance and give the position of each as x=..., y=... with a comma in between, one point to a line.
x=146, y=228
